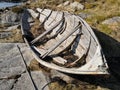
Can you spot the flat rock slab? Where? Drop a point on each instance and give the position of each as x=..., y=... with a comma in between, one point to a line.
x=112, y=20
x=40, y=80
x=6, y=84
x=11, y=62
x=13, y=75
x=25, y=83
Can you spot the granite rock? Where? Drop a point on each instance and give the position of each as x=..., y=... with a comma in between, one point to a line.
x=112, y=20
x=13, y=72
x=10, y=18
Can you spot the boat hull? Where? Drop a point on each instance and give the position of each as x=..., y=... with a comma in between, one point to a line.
x=95, y=59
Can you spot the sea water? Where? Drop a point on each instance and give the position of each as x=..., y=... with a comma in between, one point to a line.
x=8, y=4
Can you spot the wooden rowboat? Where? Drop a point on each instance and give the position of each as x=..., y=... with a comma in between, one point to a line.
x=66, y=43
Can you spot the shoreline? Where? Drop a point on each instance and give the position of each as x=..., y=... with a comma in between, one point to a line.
x=4, y=5
x=17, y=1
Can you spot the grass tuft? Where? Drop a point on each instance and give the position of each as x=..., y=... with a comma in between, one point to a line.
x=17, y=9
x=105, y=29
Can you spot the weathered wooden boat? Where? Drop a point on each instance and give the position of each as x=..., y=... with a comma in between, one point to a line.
x=65, y=42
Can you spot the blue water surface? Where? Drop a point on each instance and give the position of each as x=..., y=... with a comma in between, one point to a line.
x=8, y=4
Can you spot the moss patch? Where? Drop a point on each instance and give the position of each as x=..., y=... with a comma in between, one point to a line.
x=90, y=5
x=14, y=38
x=36, y=66
x=57, y=86
x=17, y=9
x=105, y=29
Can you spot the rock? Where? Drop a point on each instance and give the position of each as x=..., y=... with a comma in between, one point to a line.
x=60, y=5
x=10, y=18
x=112, y=20
x=113, y=24
x=12, y=28
x=40, y=80
x=26, y=53
x=5, y=34
x=10, y=61
x=13, y=75
x=23, y=83
x=6, y=84
x=89, y=1
x=62, y=76
x=76, y=5
x=66, y=3
x=85, y=15
x=101, y=88
x=71, y=6
x=11, y=65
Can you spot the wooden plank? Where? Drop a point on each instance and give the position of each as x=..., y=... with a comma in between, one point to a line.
x=61, y=40
x=55, y=58
x=46, y=32
x=46, y=18
x=33, y=13
x=45, y=12
x=59, y=49
x=59, y=60
x=66, y=43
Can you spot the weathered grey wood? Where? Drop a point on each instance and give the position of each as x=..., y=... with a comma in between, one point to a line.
x=44, y=13
x=58, y=43
x=59, y=60
x=46, y=32
x=57, y=30
x=46, y=18
x=54, y=17
x=66, y=44
x=56, y=58
x=82, y=57
x=80, y=45
x=33, y=13
x=93, y=59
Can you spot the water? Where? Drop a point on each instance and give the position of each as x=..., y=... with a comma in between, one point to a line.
x=8, y=4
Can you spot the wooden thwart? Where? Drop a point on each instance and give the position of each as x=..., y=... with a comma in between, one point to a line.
x=61, y=40
x=55, y=58
x=47, y=31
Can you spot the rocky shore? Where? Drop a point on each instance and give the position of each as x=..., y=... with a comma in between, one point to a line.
x=10, y=24
x=104, y=19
